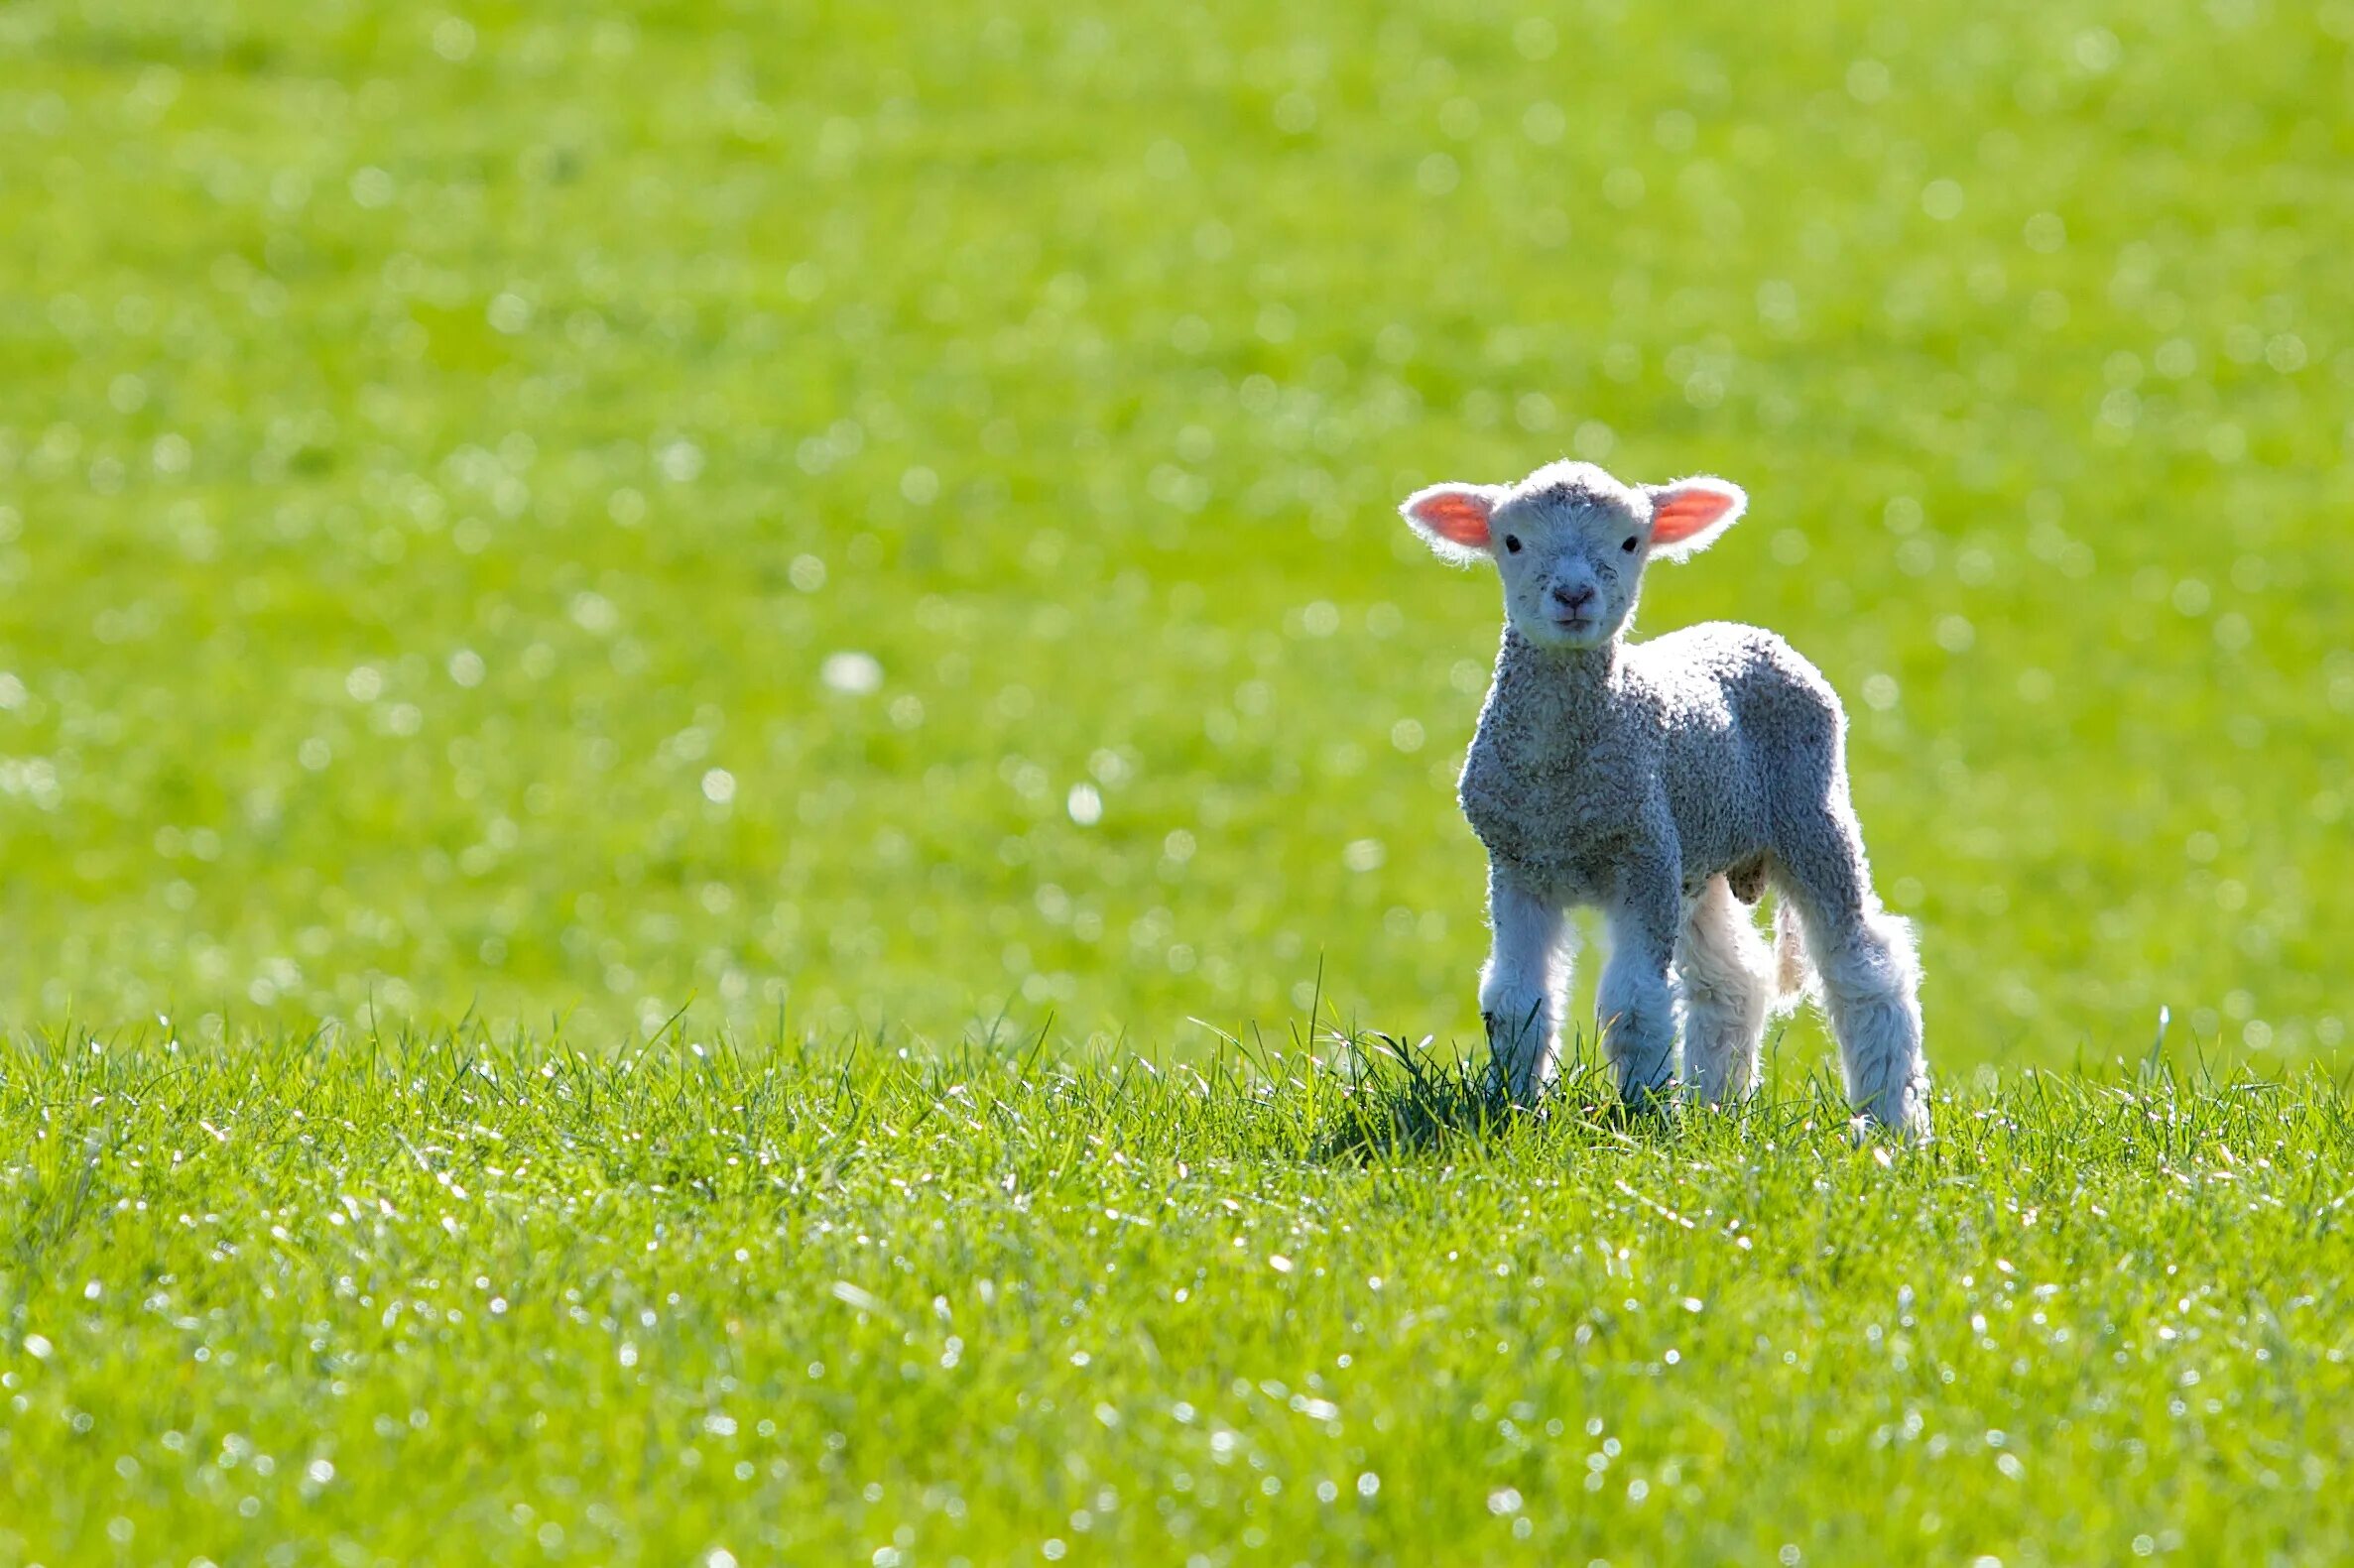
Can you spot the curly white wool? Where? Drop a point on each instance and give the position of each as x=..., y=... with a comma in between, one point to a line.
x=1667, y=783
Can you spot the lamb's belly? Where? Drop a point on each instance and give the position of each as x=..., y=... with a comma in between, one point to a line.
x=1724, y=836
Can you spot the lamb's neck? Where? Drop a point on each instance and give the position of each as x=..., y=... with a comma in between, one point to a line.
x=1559, y=697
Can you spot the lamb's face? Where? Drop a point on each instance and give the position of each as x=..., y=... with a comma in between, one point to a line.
x=1570, y=542
x=1572, y=563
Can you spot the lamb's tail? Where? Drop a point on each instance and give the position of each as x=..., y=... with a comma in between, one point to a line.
x=1794, y=976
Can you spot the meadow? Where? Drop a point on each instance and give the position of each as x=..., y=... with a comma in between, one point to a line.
x=438, y=1301
x=667, y=585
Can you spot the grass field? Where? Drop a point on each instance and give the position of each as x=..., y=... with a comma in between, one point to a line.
x=442, y=454
x=440, y=1302
x=865, y=531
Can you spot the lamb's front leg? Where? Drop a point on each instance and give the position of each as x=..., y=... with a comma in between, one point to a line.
x=1636, y=1001
x=1520, y=990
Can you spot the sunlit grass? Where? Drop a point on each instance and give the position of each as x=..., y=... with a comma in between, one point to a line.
x=443, y=455
x=873, y=527
x=819, y=1302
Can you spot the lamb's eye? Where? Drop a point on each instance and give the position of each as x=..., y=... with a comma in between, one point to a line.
x=1629, y=546
x=1512, y=542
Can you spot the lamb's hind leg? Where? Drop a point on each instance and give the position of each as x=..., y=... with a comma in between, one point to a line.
x=1725, y=976
x=1871, y=978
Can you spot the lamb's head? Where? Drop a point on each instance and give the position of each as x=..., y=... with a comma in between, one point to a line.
x=1570, y=542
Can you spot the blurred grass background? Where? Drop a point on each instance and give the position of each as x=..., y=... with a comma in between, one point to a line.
x=867, y=518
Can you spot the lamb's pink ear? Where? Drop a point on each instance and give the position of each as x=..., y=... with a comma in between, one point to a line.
x=1689, y=514
x=1453, y=519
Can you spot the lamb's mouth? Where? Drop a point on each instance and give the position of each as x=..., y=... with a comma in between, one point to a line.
x=1575, y=625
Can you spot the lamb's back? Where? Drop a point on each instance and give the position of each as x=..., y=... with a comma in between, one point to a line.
x=1744, y=712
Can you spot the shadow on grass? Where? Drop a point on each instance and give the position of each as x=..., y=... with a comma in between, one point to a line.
x=1401, y=1100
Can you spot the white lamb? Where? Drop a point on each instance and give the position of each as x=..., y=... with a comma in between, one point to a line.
x=1663, y=781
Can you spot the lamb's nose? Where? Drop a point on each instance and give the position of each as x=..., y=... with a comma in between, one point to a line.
x=1577, y=598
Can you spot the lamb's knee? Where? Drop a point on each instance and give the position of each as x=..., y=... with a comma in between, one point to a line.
x=1636, y=1008
x=1727, y=983
x=1520, y=1015
x=1724, y=1026
x=1513, y=1010
x=1872, y=955
x=1516, y=989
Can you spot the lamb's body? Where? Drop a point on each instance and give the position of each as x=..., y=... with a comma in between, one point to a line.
x=1667, y=783
x=1678, y=746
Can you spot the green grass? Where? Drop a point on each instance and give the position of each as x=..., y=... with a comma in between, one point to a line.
x=430, y=447
x=848, y=524
x=443, y=1300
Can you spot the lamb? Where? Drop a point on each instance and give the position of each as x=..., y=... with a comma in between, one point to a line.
x=1667, y=782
